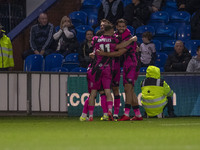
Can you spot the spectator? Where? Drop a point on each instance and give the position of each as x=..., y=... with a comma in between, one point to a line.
x=6, y=57
x=190, y=6
x=41, y=37
x=136, y=13
x=194, y=64
x=154, y=5
x=66, y=37
x=195, y=26
x=178, y=61
x=111, y=10
x=85, y=49
x=147, y=50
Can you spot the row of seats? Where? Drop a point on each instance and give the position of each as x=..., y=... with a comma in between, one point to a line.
x=53, y=62
x=57, y=63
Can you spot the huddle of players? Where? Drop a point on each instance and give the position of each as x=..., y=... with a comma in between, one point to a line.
x=104, y=72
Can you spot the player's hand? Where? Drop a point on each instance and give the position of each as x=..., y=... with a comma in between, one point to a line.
x=134, y=38
x=91, y=55
x=100, y=52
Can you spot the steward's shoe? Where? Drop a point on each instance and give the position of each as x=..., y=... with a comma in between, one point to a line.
x=110, y=116
x=115, y=118
x=124, y=118
x=104, y=118
x=135, y=118
x=83, y=119
x=90, y=119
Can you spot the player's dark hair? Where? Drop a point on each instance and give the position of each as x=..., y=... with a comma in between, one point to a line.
x=121, y=21
x=107, y=21
x=108, y=27
x=147, y=35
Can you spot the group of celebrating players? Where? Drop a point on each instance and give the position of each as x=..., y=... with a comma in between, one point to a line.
x=104, y=72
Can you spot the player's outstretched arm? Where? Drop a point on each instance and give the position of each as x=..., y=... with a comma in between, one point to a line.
x=112, y=54
x=126, y=43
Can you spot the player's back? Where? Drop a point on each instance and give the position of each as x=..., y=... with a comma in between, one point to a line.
x=107, y=44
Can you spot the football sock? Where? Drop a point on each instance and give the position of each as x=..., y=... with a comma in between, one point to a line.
x=91, y=110
x=116, y=105
x=85, y=107
x=110, y=105
x=104, y=103
x=136, y=110
x=127, y=109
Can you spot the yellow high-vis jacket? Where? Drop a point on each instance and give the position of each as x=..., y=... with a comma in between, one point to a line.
x=154, y=92
x=6, y=52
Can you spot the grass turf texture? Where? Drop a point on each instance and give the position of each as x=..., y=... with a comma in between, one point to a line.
x=59, y=133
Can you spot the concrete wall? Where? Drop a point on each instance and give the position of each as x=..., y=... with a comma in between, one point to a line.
x=31, y=5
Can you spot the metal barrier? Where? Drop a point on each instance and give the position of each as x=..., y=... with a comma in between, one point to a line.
x=33, y=92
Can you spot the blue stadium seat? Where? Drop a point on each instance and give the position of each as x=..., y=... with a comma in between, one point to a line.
x=161, y=59
x=164, y=33
x=90, y=6
x=170, y=6
x=131, y=29
x=81, y=30
x=143, y=69
x=57, y=28
x=92, y=20
x=79, y=69
x=78, y=18
x=126, y=2
x=179, y=18
x=71, y=61
x=192, y=45
x=162, y=69
x=143, y=29
x=53, y=61
x=33, y=63
x=158, y=45
x=159, y=18
x=168, y=46
x=184, y=33
x=59, y=69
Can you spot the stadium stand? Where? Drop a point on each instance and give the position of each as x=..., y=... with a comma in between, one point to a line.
x=71, y=61
x=92, y=20
x=79, y=69
x=90, y=7
x=159, y=18
x=131, y=29
x=184, y=33
x=161, y=59
x=78, y=18
x=168, y=46
x=179, y=19
x=53, y=61
x=140, y=30
x=81, y=30
x=158, y=45
x=59, y=69
x=33, y=63
x=164, y=33
x=192, y=45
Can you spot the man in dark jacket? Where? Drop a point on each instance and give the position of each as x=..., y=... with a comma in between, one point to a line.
x=137, y=13
x=188, y=5
x=111, y=10
x=195, y=26
x=41, y=37
x=178, y=61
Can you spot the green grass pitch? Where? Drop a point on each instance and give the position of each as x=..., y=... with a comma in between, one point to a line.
x=68, y=133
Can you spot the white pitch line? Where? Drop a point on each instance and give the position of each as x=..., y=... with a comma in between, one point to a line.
x=181, y=124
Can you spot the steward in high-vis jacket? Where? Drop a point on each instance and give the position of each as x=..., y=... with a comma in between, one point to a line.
x=155, y=92
x=6, y=52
